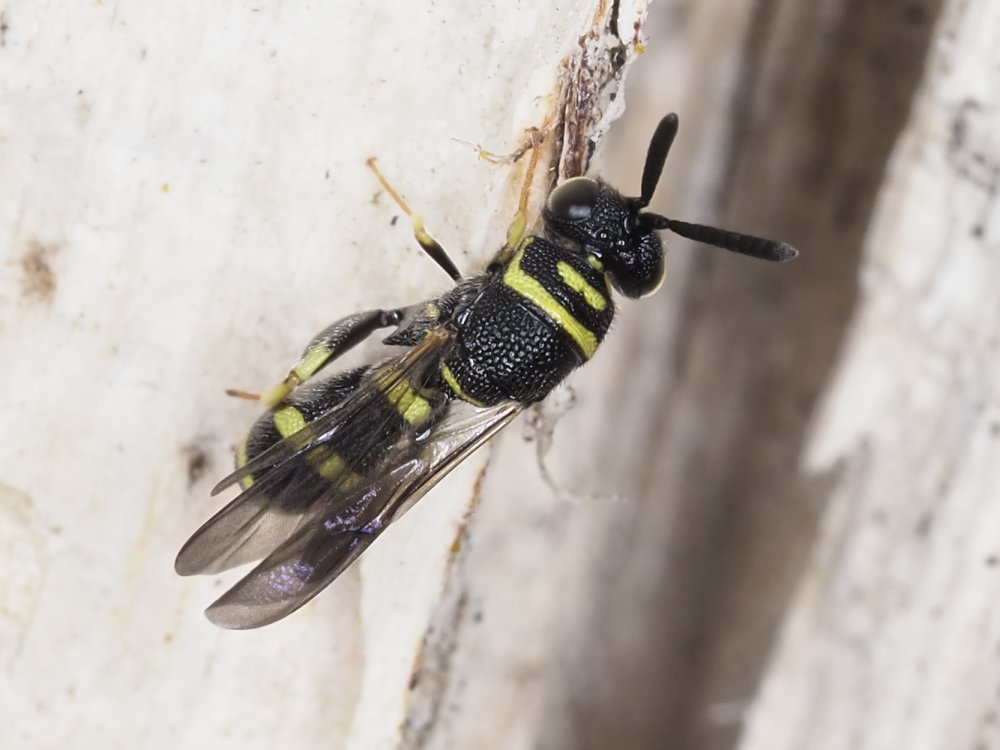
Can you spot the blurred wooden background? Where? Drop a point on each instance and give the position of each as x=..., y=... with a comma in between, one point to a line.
x=827, y=577
x=776, y=521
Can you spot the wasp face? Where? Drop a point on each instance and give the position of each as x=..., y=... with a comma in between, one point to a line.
x=612, y=229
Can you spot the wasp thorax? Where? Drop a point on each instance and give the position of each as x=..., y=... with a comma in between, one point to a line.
x=608, y=226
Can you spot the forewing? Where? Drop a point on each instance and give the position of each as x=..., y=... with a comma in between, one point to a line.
x=251, y=526
x=338, y=532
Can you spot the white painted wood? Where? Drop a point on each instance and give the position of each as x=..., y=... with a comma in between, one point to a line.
x=183, y=203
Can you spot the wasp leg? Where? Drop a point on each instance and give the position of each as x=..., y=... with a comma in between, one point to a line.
x=329, y=344
x=533, y=137
x=238, y=393
x=519, y=224
x=430, y=245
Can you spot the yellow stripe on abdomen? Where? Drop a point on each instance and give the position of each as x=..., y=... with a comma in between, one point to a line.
x=288, y=420
x=326, y=463
x=241, y=461
x=411, y=406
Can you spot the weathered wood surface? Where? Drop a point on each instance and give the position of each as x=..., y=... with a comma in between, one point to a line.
x=780, y=477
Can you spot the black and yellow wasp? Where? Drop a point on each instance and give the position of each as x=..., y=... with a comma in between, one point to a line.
x=337, y=459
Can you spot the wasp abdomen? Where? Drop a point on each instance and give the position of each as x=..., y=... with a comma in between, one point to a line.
x=350, y=453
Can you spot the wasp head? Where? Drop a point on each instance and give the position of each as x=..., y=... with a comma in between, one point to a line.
x=623, y=237
x=611, y=228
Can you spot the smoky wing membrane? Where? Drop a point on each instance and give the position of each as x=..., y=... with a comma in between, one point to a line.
x=287, y=488
x=329, y=540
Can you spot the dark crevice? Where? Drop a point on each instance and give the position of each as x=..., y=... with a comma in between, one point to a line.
x=823, y=101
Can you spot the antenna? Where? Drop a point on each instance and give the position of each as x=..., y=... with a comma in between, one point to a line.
x=746, y=244
x=656, y=157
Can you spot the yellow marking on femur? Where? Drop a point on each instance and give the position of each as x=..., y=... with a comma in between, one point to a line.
x=311, y=361
x=516, y=230
x=423, y=238
x=531, y=289
x=572, y=278
x=456, y=388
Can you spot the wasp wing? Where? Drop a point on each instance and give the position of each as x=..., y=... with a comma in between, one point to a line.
x=249, y=527
x=285, y=488
x=348, y=521
x=418, y=365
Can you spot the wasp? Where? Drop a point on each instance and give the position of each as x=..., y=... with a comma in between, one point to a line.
x=337, y=458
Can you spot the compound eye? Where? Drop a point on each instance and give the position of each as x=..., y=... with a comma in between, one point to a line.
x=574, y=200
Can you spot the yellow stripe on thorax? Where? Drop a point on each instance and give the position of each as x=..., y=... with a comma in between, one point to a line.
x=456, y=388
x=572, y=278
x=531, y=289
